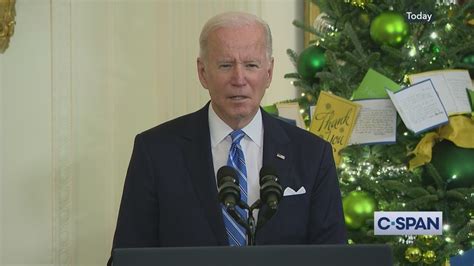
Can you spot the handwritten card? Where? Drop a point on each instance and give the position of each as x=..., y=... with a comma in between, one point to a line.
x=333, y=120
x=376, y=122
x=373, y=86
x=419, y=106
x=451, y=87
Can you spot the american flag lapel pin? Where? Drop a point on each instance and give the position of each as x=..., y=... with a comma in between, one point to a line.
x=281, y=156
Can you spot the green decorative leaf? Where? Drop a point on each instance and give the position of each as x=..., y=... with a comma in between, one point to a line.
x=271, y=109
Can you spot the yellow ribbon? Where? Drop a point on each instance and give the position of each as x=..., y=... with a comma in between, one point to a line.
x=459, y=130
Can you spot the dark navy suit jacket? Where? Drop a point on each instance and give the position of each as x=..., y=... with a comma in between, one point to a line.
x=170, y=193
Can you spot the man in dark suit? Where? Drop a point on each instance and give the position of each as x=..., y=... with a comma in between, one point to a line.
x=170, y=194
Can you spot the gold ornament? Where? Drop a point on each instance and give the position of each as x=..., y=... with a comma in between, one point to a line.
x=471, y=21
x=364, y=19
x=429, y=257
x=360, y=3
x=446, y=263
x=427, y=239
x=450, y=13
x=413, y=254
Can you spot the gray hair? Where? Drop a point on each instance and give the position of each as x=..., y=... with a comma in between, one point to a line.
x=233, y=19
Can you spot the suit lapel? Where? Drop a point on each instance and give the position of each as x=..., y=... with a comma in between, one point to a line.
x=276, y=148
x=199, y=159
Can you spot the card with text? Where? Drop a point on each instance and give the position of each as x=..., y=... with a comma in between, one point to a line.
x=333, y=120
x=376, y=122
x=419, y=106
x=451, y=87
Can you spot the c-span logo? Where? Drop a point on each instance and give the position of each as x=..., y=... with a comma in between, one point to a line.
x=408, y=223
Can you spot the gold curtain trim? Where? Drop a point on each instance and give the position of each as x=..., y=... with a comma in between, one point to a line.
x=7, y=23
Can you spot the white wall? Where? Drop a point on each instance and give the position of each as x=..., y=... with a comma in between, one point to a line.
x=80, y=79
x=26, y=171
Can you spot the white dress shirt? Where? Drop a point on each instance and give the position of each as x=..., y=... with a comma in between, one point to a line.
x=252, y=147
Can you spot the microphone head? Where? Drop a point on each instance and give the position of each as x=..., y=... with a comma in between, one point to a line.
x=267, y=172
x=271, y=193
x=228, y=186
x=226, y=173
x=270, y=188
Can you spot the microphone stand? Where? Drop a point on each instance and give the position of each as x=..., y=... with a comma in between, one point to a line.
x=253, y=227
x=249, y=225
x=270, y=190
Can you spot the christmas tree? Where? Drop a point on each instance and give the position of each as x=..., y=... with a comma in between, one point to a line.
x=353, y=36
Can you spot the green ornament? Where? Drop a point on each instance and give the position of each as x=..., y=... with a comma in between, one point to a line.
x=358, y=207
x=389, y=28
x=429, y=257
x=435, y=49
x=469, y=59
x=454, y=164
x=413, y=254
x=310, y=61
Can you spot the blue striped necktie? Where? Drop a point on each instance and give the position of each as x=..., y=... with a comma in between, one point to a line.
x=235, y=232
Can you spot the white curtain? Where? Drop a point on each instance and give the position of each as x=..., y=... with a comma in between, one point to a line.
x=81, y=78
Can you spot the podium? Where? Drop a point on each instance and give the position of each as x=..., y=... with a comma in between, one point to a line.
x=285, y=255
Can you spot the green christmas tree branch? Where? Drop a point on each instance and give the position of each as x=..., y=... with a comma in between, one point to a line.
x=455, y=195
x=435, y=175
x=355, y=41
x=293, y=56
x=305, y=27
x=422, y=202
x=292, y=76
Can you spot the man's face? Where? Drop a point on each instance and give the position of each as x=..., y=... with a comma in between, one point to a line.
x=236, y=71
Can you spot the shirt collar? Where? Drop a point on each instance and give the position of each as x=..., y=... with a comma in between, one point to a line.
x=219, y=130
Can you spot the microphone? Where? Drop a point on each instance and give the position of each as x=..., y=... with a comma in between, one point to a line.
x=229, y=195
x=228, y=186
x=270, y=188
